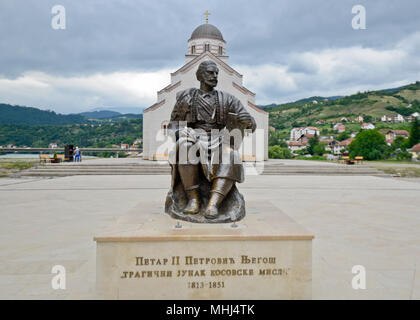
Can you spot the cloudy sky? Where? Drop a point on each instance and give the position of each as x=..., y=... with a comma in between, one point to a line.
x=119, y=53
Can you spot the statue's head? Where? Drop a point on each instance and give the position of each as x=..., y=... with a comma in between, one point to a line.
x=207, y=72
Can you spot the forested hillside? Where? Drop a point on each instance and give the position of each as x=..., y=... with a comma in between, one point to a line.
x=32, y=116
x=371, y=104
x=82, y=135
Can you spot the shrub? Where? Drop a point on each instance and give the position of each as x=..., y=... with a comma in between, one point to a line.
x=370, y=144
x=277, y=152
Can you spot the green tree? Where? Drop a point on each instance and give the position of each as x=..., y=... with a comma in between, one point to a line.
x=400, y=143
x=275, y=139
x=404, y=155
x=370, y=144
x=368, y=118
x=277, y=152
x=311, y=144
x=319, y=149
x=414, y=133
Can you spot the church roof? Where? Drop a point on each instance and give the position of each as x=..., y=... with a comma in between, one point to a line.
x=208, y=31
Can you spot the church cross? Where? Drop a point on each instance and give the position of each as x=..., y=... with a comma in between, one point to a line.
x=207, y=13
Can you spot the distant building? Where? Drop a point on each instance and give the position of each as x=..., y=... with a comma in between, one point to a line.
x=415, y=152
x=320, y=121
x=334, y=147
x=53, y=145
x=346, y=142
x=305, y=138
x=391, y=135
x=385, y=118
x=344, y=119
x=359, y=119
x=413, y=116
x=367, y=126
x=296, y=145
x=311, y=130
x=339, y=127
x=399, y=118
x=125, y=146
x=138, y=141
x=296, y=133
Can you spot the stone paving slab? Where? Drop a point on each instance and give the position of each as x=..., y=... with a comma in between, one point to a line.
x=357, y=220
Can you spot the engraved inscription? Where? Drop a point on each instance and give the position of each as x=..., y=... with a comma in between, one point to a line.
x=205, y=272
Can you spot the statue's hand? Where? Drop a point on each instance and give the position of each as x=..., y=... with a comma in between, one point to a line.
x=245, y=119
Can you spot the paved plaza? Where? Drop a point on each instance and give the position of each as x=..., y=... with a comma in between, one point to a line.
x=357, y=220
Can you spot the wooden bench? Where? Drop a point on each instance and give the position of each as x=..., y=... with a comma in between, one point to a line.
x=343, y=159
x=44, y=158
x=62, y=157
x=359, y=160
x=347, y=160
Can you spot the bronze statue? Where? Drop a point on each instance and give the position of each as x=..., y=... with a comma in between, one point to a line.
x=205, y=161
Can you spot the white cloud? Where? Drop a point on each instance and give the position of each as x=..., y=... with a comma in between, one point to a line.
x=75, y=94
x=333, y=71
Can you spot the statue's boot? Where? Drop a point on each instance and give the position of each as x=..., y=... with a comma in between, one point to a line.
x=212, y=210
x=220, y=189
x=193, y=205
x=189, y=178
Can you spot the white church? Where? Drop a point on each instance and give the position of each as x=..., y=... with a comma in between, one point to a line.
x=206, y=43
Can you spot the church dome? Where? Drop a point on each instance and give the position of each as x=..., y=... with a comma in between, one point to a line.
x=208, y=31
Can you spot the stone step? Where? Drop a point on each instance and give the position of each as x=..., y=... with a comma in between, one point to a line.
x=71, y=173
x=165, y=169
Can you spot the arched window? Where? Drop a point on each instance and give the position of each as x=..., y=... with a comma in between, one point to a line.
x=164, y=127
x=207, y=47
x=221, y=50
x=192, y=49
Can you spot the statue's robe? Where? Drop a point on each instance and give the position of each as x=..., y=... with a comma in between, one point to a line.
x=203, y=112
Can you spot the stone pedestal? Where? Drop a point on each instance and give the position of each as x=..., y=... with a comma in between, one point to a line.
x=148, y=255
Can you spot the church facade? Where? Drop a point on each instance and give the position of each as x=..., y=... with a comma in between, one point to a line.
x=206, y=43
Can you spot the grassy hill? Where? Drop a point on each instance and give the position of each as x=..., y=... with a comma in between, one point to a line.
x=372, y=105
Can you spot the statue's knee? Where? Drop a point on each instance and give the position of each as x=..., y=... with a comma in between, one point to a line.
x=189, y=153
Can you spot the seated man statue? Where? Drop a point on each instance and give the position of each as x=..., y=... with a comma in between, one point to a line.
x=205, y=162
